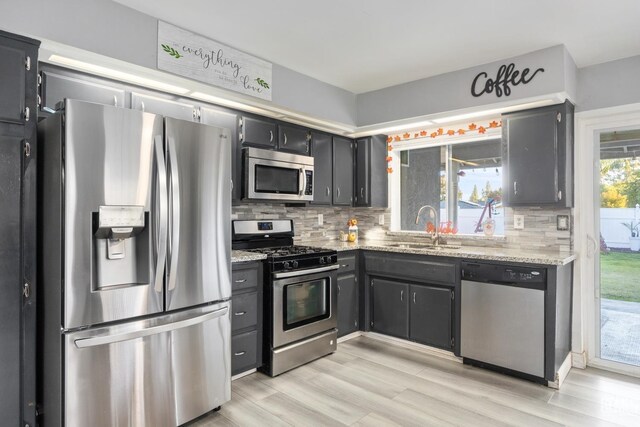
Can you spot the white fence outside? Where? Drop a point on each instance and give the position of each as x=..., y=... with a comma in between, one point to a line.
x=614, y=233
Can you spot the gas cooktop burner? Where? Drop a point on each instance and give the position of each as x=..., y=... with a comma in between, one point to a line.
x=288, y=251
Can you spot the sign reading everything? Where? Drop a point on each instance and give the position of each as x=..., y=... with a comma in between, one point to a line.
x=189, y=55
x=507, y=75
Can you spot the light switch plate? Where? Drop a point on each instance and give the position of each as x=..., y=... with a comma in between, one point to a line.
x=381, y=219
x=320, y=219
x=518, y=222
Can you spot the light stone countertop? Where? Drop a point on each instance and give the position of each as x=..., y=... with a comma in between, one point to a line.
x=465, y=252
x=242, y=256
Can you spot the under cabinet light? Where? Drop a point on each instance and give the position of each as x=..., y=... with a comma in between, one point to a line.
x=494, y=112
x=115, y=74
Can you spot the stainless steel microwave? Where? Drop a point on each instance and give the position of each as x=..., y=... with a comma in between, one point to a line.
x=273, y=175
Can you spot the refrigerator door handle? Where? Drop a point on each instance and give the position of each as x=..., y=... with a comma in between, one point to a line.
x=127, y=336
x=174, y=245
x=161, y=237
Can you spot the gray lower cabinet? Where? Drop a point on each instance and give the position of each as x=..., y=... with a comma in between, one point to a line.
x=347, y=304
x=322, y=146
x=390, y=307
x=342, y=171
x=431, y=311
x=246, y=317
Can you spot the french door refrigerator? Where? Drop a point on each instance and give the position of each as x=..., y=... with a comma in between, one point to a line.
x=135, y=263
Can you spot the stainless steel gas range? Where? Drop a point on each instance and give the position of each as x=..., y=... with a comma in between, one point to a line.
x=300, y=294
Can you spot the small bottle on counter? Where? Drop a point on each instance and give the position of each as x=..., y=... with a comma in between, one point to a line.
x=353, y=230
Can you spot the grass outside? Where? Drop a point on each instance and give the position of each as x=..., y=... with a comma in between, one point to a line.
x=620, y=276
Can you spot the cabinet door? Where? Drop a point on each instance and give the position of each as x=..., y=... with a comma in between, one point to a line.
x=227, y=119
x=258, y=132
x=56, y=87
x=430, y=316
x=293, y=139
x=164, y=107
x=347, y=304
x=530, y=157
x=10, y=280
x=322, y=168
x=363, y=171
x=13, y=84
x=390, y=307
x=342, y=171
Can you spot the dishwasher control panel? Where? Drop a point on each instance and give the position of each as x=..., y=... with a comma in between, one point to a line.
x=481, y=272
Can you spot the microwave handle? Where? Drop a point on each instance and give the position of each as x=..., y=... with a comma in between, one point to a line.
x=302, y=181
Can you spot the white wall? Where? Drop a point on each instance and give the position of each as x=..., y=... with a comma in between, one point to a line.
x=609, y=85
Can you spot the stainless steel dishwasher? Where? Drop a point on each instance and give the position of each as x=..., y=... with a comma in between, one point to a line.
x=502, y=317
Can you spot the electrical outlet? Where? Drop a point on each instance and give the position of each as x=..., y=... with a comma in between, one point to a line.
x=320, y=219
x=381, y=219
x=234, y=216
x=518, y=222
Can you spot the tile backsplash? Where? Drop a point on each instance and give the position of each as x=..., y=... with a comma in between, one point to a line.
x=539, y=226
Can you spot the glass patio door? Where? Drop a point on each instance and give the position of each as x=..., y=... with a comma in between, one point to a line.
x=618, y=275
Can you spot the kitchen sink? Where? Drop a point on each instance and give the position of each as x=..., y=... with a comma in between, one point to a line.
x=422, y=246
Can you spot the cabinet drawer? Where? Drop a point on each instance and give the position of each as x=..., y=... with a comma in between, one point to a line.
x=347, y=262
x=417, y=269
x=244, y=278
x=244, y=352
x=244, y=311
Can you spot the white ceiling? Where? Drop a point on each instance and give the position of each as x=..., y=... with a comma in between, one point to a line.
x=363, y=45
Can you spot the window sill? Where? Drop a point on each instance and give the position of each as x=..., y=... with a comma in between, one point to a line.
x=448, y=236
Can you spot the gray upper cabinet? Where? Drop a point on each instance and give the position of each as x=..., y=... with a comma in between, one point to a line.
x=13, y=84
x=58, y=86
x=163, y=106
x=224, y=118
x=390, y=307
x=342, y=171
x=322, y=145
x=537, y=156
x=294, y=139
x=431, y=316
x=257, y=132
x=371, y=172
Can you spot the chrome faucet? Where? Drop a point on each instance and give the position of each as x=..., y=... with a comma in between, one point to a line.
x=434, y=215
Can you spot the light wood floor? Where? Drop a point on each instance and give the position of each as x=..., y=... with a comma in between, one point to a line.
x=372, y=383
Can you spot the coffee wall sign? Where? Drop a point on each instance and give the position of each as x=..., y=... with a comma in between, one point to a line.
x=190, y=55
x=506, y=77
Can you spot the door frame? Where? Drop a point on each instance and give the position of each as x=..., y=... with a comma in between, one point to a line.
x=586, y=289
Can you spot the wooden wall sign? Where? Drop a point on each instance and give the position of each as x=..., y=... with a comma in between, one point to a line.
x=506, y=76
x=190, y=55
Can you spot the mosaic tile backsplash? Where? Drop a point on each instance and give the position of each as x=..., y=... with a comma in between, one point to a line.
x=539, y=232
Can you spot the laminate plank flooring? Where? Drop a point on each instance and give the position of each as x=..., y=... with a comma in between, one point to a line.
x=368, y=382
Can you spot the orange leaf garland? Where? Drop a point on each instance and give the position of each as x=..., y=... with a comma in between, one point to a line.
x=434, y=134
x=396, y=138
x=451, y=132
x=440, y=131
x=481, y=129
x=389, y=170
x=423, y=133
x=389, y=159
x=406, y=135
x=472, y=126
x=493, y=124
x=460, y=131
x=389, y=138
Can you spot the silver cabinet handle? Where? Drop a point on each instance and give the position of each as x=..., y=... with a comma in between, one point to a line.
x=27, y=114
x=515, y=187
x=338, y=288
x=161, y=223
x=402, y=295
x=126, y=336
x=338, y=192
x=270, y=136
x=239, y=313
x=240, y=353
x=362, y=192
x=240, y=280
x=174, y=245
x=344, y=265
x=328, y=190
x=285, y=139
x=414, y=297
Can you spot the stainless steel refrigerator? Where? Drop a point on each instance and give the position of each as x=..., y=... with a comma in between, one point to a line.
x=135, y=265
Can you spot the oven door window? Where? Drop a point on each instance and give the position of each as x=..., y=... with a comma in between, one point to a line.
x=306, y=303
x=274, y=179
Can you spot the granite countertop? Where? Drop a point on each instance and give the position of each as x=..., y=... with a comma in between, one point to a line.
x=467, y=252
x=242, y=256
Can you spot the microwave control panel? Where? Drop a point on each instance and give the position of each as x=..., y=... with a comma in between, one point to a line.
x=308, y=191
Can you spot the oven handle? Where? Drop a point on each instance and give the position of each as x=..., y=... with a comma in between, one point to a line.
x=305, y=272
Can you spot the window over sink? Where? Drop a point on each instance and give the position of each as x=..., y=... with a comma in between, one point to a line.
x=461, y=179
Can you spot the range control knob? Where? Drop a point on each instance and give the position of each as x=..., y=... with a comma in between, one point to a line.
x=286, y=265
x=295, y=264
x=322, y=260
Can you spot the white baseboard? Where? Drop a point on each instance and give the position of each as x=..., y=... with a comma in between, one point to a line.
x=562, y=373
x=414, y=346
x=243, y=374
x=579, y=360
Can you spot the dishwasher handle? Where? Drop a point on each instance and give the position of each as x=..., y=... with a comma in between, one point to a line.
x=541, y=286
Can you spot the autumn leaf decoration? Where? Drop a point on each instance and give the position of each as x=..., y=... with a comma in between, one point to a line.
x=171, y=51
x=262, y=83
